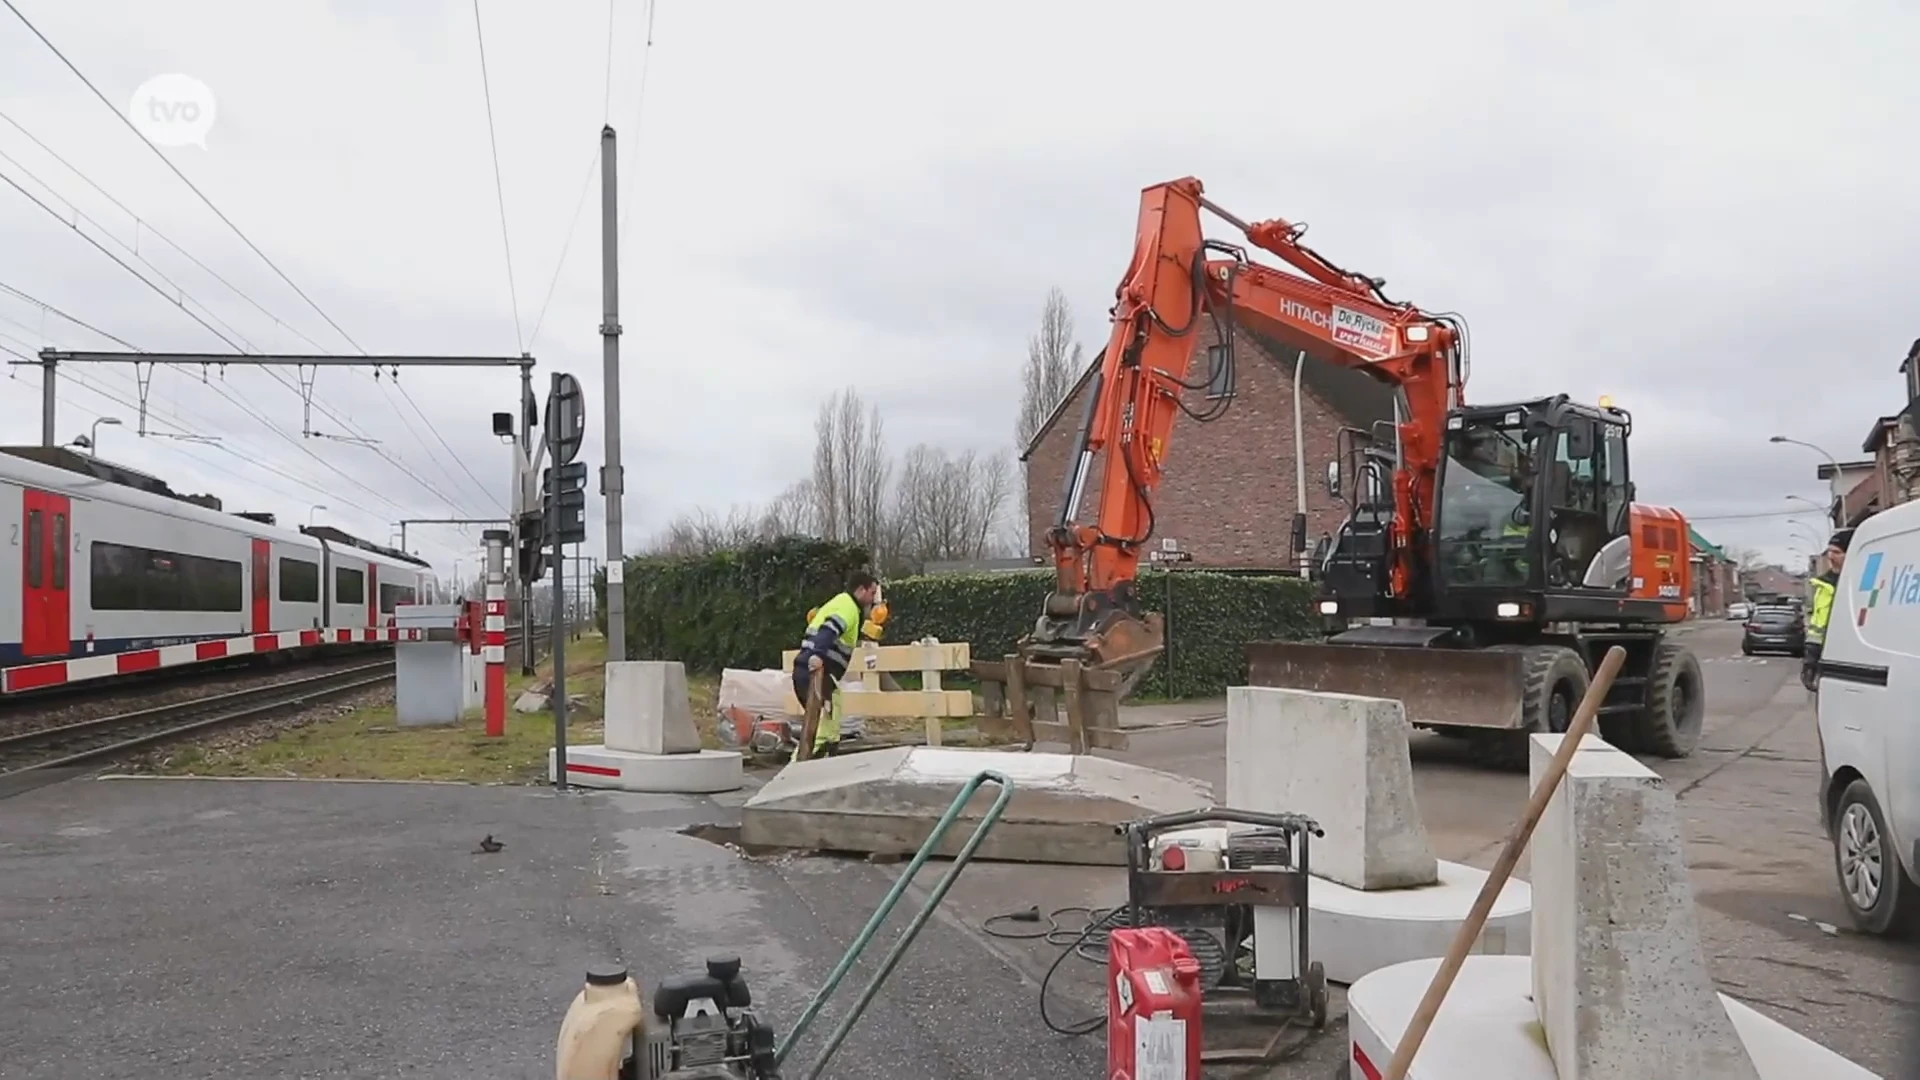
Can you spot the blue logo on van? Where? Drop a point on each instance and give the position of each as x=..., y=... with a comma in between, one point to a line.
x=1900, y=586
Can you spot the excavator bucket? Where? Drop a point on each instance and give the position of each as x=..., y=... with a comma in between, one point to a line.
x=1124, y=644
x=1475, y=688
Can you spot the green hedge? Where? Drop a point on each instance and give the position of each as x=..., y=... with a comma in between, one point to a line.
x=1213, y=617
x=733, y=608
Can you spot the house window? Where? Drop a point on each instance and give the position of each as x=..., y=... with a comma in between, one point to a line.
x=1219, y=372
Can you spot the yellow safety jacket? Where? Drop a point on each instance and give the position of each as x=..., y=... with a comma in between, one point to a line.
x=842, y=616
x=1823, y=592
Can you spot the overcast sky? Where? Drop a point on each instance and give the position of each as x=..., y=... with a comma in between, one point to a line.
x=1704, y=210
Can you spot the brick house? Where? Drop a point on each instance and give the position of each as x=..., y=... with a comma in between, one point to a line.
x=1716, y=580
x=1894, y=443
x=1227, y=493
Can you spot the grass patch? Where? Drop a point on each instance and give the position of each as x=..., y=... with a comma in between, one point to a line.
x=369, y=744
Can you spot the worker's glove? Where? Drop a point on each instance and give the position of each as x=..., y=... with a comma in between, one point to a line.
x=815, y=663
x=871, y=630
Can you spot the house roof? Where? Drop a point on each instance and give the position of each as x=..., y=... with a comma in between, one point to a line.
x=1826, y=470
x=1700, y=544
x=1879, y=433
x=1358, y=397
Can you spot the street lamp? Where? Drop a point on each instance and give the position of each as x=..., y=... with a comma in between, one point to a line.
x=1824, y=508
x=317, y=507
x=90, y=442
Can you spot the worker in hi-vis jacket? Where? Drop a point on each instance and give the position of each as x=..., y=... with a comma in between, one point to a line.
x=833, y=632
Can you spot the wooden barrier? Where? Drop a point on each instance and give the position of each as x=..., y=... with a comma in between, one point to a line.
x=1023, y=701
x=930, y=702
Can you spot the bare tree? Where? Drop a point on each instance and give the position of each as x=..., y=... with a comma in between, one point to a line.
x=1054, y=361
x=850, y=471
x=948, y=506
x=791, y=513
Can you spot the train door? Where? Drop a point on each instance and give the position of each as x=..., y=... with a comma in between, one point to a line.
x=46, y=543
x=373, y=595
x=262, y=586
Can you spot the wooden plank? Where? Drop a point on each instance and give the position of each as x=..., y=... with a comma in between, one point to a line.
x=930, y=683
x=1099, y=738
x=1076, y=715
x=1055, y=676
x=991, y=671
x=1103, y=710
x=1017, y=713
x=993, y=699
x=945, y=656
x=899, y=704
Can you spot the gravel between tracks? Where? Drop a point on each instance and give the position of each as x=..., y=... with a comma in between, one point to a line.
x=252, y=732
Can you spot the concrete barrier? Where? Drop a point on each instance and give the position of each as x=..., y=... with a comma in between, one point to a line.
x=703, y=772
x=647, y=708
x=1488, y=1029
x=1063, y=810
x=1619, y=974
x=1341, y=760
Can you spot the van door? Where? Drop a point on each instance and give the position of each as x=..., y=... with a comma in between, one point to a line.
x=262, y=586
x=46, y=543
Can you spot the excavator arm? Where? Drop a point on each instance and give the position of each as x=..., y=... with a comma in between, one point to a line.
x=1178, y=278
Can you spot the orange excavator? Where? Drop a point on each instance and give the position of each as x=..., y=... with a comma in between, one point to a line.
x=1489, y=556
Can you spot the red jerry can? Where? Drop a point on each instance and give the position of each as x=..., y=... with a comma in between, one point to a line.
x=1153, y=1006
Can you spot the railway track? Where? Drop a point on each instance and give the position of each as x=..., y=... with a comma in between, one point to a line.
x=88, y=741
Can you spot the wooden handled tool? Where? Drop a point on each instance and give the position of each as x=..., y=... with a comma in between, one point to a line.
x=810, y=726
x=1416, y=1032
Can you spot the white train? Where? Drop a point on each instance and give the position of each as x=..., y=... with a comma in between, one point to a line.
x=93, y=565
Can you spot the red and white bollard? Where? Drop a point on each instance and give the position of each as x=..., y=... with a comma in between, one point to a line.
x=493, y=648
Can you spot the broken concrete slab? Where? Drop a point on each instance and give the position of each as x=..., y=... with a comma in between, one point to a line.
x=1619, y=975
x=1342, y=760
x=647, y=708
x=1063, y=809
x=1487, y=1030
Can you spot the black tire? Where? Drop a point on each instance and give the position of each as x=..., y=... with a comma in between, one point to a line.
x=1555, y=679
x=1895, y=903
x=1746, y=650
x=1676, y=709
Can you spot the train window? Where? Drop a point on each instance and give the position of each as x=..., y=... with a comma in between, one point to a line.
x=299, y=581
x=349, y=586
x=60, y=552
x=392, y=596
x=35, y=544
x=127, y=578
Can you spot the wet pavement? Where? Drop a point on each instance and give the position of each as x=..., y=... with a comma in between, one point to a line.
x=203, y=928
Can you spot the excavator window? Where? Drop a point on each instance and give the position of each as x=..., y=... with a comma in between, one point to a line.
x=1483, y=525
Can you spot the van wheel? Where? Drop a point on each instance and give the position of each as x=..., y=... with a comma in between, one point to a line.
x=1676, y=702
x=1879, y=895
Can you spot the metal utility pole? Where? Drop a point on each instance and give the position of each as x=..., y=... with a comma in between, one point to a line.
x=612, y=482
x=529, y=415
x=47, y=376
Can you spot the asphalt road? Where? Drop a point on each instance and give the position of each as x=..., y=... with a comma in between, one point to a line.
x=210, y=929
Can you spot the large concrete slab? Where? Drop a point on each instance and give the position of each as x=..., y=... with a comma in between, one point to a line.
x=648, y=711
x=1619, y=975
x=1487, y=1030
x=1341, y=760
x=1063, y=809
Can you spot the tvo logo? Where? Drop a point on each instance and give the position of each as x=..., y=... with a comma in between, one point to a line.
x=173, y=110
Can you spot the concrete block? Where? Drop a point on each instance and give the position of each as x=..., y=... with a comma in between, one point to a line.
x=648, y=711
x=1487, y=1030
x=1063, y=809
x=1341, y=760
x=1619, y=976
x=703, y=772
x=1356, y=932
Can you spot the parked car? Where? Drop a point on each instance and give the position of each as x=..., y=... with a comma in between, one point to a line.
x=1775, y=628
x=1737, y=611
x=1869, y=745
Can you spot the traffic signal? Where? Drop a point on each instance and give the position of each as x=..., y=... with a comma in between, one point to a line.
x=566, y=486
x=533, y=547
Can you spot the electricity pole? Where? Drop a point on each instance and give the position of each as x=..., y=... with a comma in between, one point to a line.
x=612, y=483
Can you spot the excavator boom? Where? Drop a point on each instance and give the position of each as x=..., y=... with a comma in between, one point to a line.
x=1176, y=279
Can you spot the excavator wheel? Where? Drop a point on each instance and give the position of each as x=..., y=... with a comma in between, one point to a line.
x=1554, y=678
x=1676, y=703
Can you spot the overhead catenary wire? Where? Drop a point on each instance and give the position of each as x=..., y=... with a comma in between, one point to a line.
x=175, y=169
x=499, y=188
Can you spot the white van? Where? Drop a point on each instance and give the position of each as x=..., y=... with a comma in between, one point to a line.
x=1869, y=718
